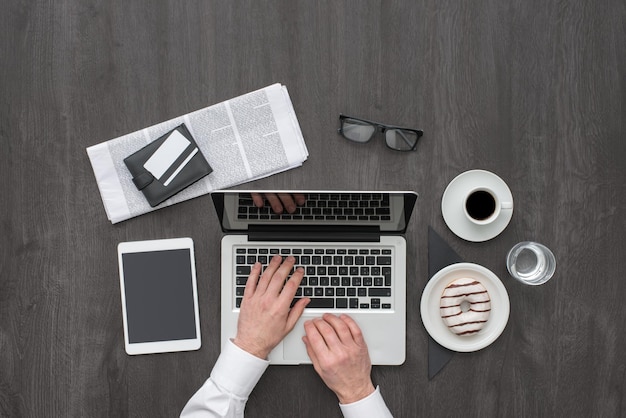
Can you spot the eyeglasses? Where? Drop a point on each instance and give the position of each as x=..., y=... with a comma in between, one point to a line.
x=396, y=138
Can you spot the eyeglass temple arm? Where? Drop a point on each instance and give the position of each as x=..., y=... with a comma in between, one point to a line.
x=409, y=143
x=342, y=116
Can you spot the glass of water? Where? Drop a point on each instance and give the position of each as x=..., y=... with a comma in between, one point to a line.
x=531, y=263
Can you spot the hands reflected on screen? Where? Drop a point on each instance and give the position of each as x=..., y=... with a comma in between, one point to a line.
x=279, y=202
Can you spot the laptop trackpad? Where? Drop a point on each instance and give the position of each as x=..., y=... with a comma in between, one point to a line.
x=293, y=346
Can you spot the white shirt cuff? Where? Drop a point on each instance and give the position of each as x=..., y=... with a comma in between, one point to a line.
x=370, y=406
x=238, y=371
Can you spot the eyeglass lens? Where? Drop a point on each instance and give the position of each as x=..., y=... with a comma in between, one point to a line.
x=357, y=131
x=401, y=139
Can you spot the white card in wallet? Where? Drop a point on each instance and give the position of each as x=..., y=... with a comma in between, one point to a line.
x=168, y=152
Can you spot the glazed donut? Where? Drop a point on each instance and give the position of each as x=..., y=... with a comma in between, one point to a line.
x=465, y=306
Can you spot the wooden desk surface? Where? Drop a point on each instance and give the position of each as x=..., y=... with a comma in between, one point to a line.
x=533, y=91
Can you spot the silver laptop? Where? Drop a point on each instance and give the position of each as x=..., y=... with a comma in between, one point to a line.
x=351, y=246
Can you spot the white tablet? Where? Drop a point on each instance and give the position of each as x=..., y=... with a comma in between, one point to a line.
x=159, y=296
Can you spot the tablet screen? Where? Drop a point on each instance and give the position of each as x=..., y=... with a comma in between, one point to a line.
x=159, y=292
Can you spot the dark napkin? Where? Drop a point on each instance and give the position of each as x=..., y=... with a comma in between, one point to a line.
x=440, y=255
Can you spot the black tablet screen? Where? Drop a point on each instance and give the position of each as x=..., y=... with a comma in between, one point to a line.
x=159, y=296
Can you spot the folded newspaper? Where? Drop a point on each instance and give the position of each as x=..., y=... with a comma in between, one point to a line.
x=243, y=139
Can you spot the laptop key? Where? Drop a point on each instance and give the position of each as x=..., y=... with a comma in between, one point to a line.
x=341, y=303
x=387, y=274
x=321, y=303
x=379, y=291
x=243, y=270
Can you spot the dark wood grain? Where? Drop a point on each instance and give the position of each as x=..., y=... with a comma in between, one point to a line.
x=532, y=90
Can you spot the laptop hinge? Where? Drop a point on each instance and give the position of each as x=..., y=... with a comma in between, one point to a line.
x=314, y=233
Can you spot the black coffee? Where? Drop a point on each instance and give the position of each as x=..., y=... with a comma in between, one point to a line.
x=480, y=205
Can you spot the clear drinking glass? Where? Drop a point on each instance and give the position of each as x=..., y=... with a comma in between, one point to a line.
x=531, y=263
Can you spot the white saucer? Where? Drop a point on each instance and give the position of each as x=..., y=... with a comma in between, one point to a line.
x=454, y=198
x=435, y=326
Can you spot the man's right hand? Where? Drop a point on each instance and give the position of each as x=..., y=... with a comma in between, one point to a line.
x=339, y=355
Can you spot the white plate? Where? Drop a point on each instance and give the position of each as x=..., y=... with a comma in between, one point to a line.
x=497, y=319
x=453, y=200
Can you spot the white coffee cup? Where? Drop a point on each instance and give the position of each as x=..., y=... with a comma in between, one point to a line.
x=482, y=205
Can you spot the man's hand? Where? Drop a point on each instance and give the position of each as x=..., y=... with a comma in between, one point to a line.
x=280, y=201
x=339, y=355
x=265, y=317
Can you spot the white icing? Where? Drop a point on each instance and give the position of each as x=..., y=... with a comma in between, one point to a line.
x=475, y=296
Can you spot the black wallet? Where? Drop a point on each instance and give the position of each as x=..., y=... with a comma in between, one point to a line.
x=167, y=165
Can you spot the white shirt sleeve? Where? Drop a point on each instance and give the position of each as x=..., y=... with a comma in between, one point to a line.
x=234, y=376
x=371, y=406
x=226, y=392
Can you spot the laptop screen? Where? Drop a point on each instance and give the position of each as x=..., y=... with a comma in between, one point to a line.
x=384, y=212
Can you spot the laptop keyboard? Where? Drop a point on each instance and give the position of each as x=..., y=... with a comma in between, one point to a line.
x=334, y=278
x=325, y=206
